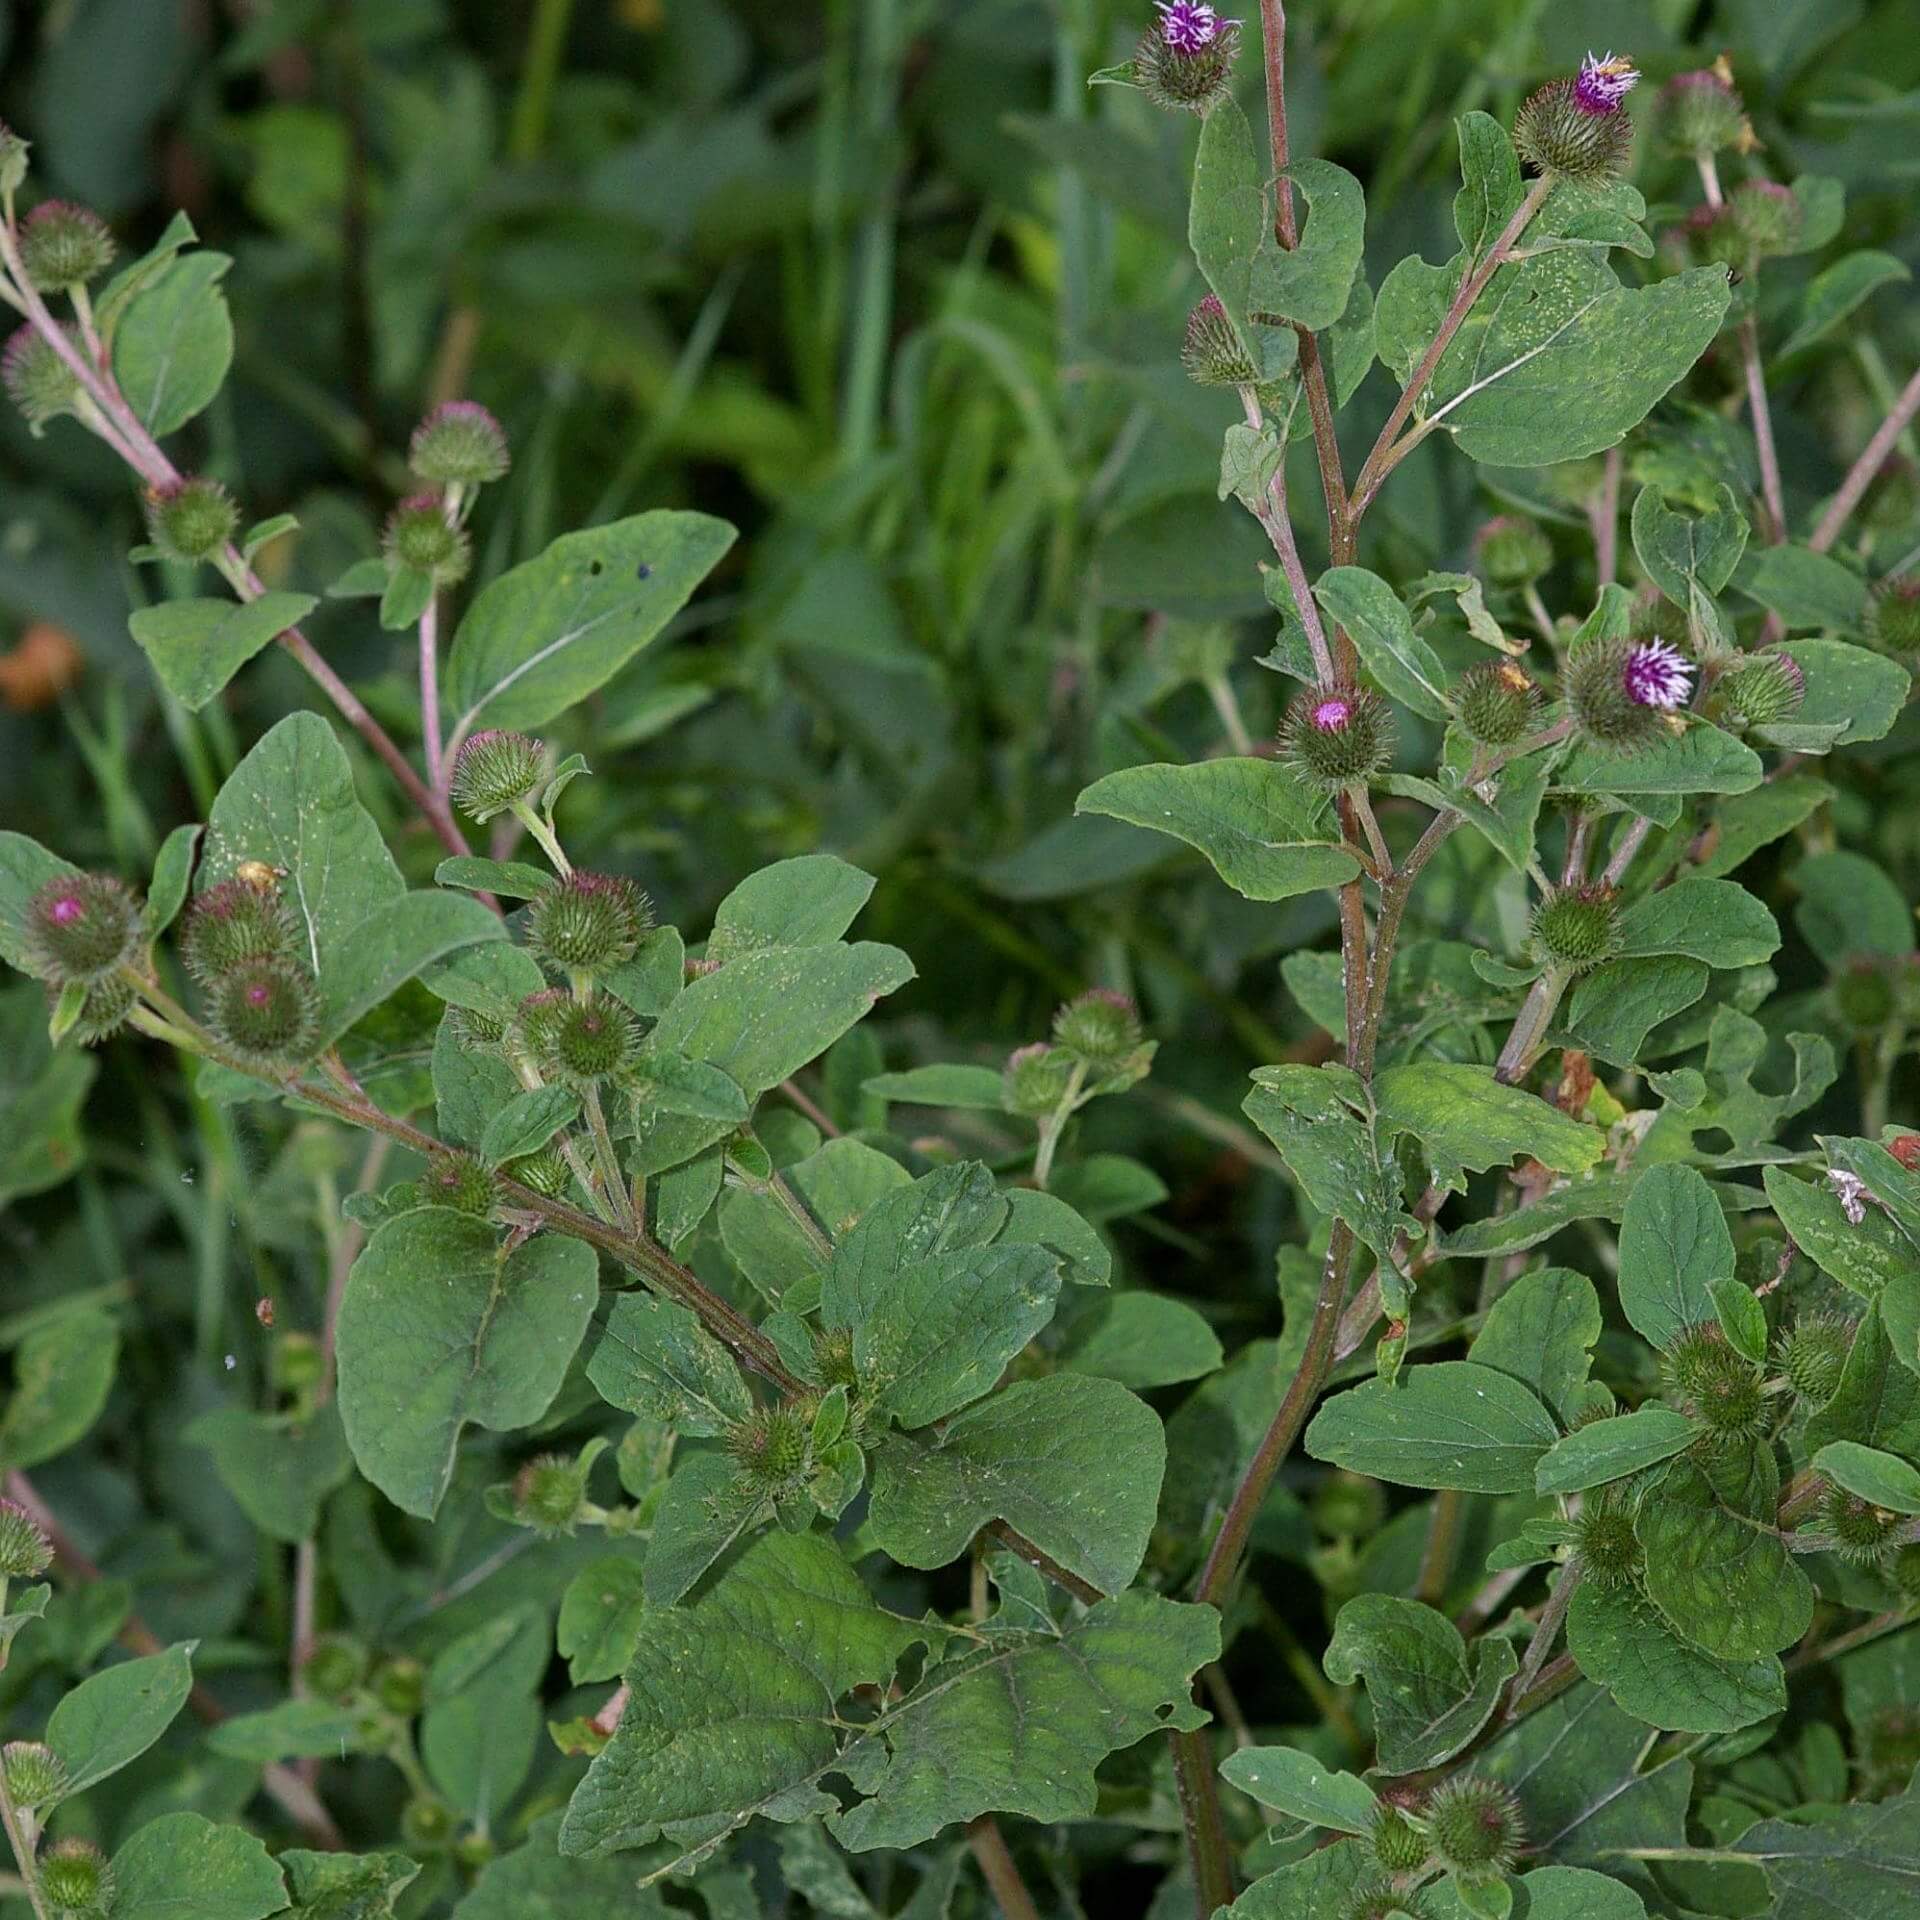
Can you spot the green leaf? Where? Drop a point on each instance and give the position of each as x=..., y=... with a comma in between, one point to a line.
x=1464, y=1117
x=1297, y=1784
x=1490, y=189
x=1620, y=1640
x=1330, y=1149
x=1859, y=1861
x=600, y=1615
x=1072, y=1462
x=396, y=941
x=1711, y=920
x=173, y=344
x=1430, y=1694
x=347, y=1886
x=62, y=1374
x=1452, y=1423
x=978, y=1089
x=197, y=646
x=1556, y=359
x=805, y=902
x=113, y=1717
x=1612, y=1449
x=1680, y=550
x=441, y=1326
x=172, y=874
x=481, y=1728
x=1611, y=1010
x=1724, y=1580
x=1265, y=831
x=551, y=631
x=527, y=1122
x=1377, y=621
x=1849, y=906
x=1852, y=695
x=656, y=1360
x=1863, y=1258
x=1883, y=1478
x=1310, y=284
x=763, y=1015
x=708, y=1505
x=291, y=804
x=1035, y=1713
x=1836, y=291
x=111, y=301
x=1602, y=1196
x=1804, y=588
x=294, y=1730
x=183, y=1867
x=1227, y=218
x=510, y=879
x=1554, y=1893
x=1674, y=1243
x=1541, y=1331
x=1701, y=760
x=1141, y=1340
x=277, y=1467
x=537, y=1882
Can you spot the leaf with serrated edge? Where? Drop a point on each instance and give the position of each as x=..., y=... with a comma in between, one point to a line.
x=1447, y=1424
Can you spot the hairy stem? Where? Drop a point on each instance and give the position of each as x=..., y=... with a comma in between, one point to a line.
x=1380, y=462
x=1860, y=475
x=430, y=693
x=1272, y=515
x=999, y=1869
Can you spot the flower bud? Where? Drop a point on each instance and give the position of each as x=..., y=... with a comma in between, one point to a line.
x=588, y=922
x=35, y=1775
x=13, y=160
x=1893, y=615
x=266, y=1011
x=1349, y=1506
x=1099, y=1028
x=474, y=1031
x=1864, y=993
x=335, y=1667
x=1714, y=1384
x=1812, y=1353
x=1497, y=703
x=1860, y=1531
x=400, y=1685
x=192, y=519
x=1762, y=688
x=63, y=246
x=1035, y=1081
x=235, y=922
x=1605, y=1541
x=1621, y=694
x=1184, y=61
x=1212, y=352
x=1578, y=128
x=548, y=1494
x=459, y=1181
x=1577, y=928
x=459, y=444
x=495, y=770
x=37, y=380
x=426, y=1825
x=298, y=1364
x=1512, y=550
x=25, y=1551
x=1766, y=216
x=546, y=1172
x=1475, y=1825
x=1337, y=736
x=1385, y=1900
x=419, y=536
x=1398, y=1845
x=1700, y=112
x=770, y=1444
x=80, y=927
x=577, y=1043
x=833, y=1357
x=75, y=1878
x=104, y=1011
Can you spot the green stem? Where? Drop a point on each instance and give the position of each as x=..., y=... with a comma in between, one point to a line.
x=546, y=42
x=549, y=841
x=1055, y=1123
x=19, y=1834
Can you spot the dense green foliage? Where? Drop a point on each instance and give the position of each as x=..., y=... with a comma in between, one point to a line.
x=960, y=958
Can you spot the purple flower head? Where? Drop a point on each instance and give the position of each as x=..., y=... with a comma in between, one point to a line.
x=1187, y=27
x=65, y=908
x=1602, y=84
x=1657, y=675
x=1333, y=714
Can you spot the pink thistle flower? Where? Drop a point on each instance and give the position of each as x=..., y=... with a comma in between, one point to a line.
x=1187, y=27
x=1602, y=84
x=1333, y=714
x=1657, y=675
